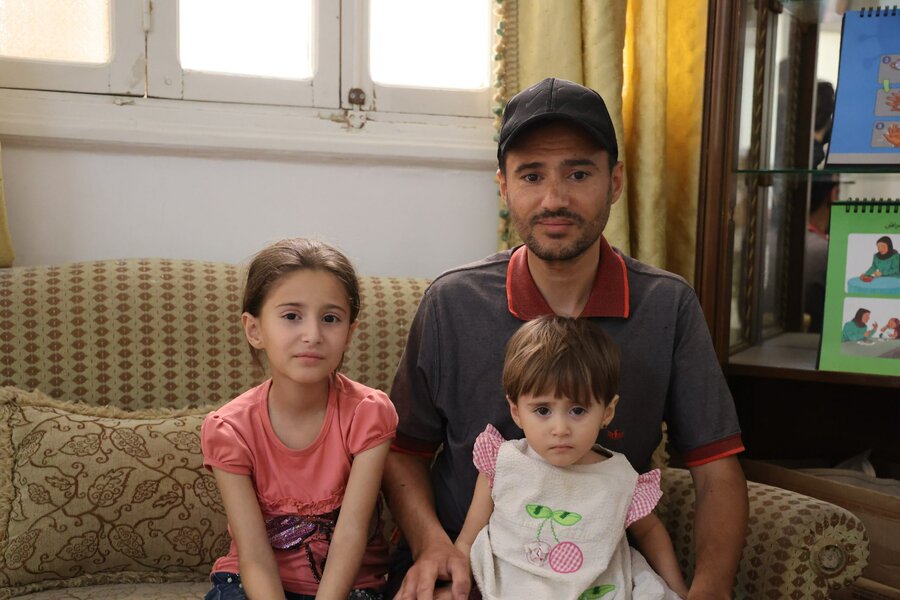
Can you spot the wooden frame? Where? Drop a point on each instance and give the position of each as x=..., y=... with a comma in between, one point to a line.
x=715, y=222
x=718, y=178
x=716, y=211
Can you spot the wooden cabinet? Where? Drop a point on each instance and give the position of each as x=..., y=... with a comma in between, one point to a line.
x=768, y=64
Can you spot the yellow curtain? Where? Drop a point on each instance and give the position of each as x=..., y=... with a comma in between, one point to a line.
x=646, y=58
x=6, y=250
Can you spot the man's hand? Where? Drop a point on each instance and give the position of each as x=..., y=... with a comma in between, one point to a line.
x=408, y=493
x=440, y=560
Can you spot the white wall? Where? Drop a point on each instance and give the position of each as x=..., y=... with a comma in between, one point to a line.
x=70, y=203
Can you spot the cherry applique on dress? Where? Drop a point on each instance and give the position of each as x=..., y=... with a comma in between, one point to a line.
x=564, y=557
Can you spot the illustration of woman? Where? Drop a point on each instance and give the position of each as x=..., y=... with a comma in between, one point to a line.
x=885, y=262
x=857, y=329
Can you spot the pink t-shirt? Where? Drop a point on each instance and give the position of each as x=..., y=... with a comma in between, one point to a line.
x=238, y=438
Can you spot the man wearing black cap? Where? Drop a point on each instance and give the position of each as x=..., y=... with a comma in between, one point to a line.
x=559, y=174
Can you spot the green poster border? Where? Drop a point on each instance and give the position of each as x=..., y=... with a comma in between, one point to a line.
x=850, y=217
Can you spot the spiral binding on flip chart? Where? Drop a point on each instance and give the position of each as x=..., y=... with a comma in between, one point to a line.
x=878, y=11
x=871, y=205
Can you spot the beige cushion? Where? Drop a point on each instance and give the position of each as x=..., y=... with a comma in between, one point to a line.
x=134, y=334
x=93, y=495
x=126, y=591
x=164, y=333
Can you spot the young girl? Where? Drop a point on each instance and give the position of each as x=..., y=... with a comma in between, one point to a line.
x=891, y=331
x=299, y=459
x=549, y=513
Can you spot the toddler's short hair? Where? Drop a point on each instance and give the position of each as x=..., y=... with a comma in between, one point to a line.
x=566, y=357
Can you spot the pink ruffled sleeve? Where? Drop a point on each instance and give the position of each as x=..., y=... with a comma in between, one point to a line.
x=484, y=454
x=374, y=422
x=223, y=447
x=646, y=495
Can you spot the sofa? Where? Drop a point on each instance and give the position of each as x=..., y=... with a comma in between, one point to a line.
x=106, y=371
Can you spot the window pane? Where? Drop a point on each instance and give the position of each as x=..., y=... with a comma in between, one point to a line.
x=267, y=38
x=431, y=43
x=64, y=30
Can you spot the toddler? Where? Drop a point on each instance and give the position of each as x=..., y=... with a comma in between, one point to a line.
x=550, y=512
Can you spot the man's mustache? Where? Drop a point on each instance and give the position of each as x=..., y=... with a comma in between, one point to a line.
x=563, y=213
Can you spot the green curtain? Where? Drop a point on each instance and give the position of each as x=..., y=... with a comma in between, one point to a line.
x=646, y=58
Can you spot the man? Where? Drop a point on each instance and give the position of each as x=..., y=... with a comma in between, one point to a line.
x=559, y=174
x=815, y=253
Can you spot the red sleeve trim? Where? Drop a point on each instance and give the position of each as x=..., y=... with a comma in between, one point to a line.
x=405, y=444
x=714, y=451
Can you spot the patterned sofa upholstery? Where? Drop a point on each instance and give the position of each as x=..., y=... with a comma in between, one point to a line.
x=102, y=493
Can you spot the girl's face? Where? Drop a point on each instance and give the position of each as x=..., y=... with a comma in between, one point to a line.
x=303, y=326
x=560, y=430
x=882, y=247
x=865, y=317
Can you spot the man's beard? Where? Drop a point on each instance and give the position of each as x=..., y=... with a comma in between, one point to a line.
x=590, y=232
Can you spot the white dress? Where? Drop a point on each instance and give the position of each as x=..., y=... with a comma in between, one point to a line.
x=559, y=532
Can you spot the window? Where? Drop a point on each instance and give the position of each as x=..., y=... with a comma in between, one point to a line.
x=389, y=56
x=73, y=45
x=441, y=49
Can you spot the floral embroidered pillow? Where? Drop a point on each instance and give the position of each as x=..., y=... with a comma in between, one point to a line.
x=92, y=495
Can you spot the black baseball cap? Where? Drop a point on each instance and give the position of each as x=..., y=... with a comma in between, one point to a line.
x=557, y=99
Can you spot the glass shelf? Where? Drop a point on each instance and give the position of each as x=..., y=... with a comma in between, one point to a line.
x=783, y=108
x=819, y=11
x=794, y=356
x=771, y=91
x=856, y=170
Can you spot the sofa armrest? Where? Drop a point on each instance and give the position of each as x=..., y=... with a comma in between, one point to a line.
x=797, y=546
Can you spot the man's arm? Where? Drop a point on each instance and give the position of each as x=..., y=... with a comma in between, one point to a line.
x=720, y=526
x=409, y=496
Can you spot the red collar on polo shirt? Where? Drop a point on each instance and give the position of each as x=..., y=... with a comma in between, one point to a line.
x=609, y=296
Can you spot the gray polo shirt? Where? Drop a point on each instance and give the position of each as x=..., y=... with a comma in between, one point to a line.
x=449, y=383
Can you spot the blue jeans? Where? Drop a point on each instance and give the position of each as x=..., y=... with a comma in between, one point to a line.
x=227, y=586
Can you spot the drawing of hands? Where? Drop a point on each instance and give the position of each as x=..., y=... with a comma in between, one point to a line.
x=893, y=135
x=893, y=101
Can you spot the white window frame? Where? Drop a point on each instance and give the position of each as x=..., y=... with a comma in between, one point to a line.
x=123, y=75
x=167, y=79
x=397, y=99
x=111, y=116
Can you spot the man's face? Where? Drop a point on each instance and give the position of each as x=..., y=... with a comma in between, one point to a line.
x=559, y=190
